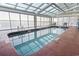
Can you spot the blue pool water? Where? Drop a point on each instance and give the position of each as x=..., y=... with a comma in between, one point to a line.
x=28, y=47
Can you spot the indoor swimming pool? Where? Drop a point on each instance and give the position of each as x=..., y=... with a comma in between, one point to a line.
x=30, y=43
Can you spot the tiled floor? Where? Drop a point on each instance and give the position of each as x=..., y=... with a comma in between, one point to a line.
x=6, y=49
x=68, y=44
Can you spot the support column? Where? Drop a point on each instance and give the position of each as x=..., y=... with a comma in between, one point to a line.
x=10, y=22
x=50, y=21
x=35, y=26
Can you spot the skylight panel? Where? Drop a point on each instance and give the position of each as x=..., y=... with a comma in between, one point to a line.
x=43, y=6
x=7, y=5
x=46, y=13
x=49, y=8
x=52, y=10
x=42, y=12
x=71, y=4
x=36, y=4
x=56, y=12
x=11, y=3
x=20, y=8
x=28, y=3
x=22, y=5
x=32, y=8
x=37, y=10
